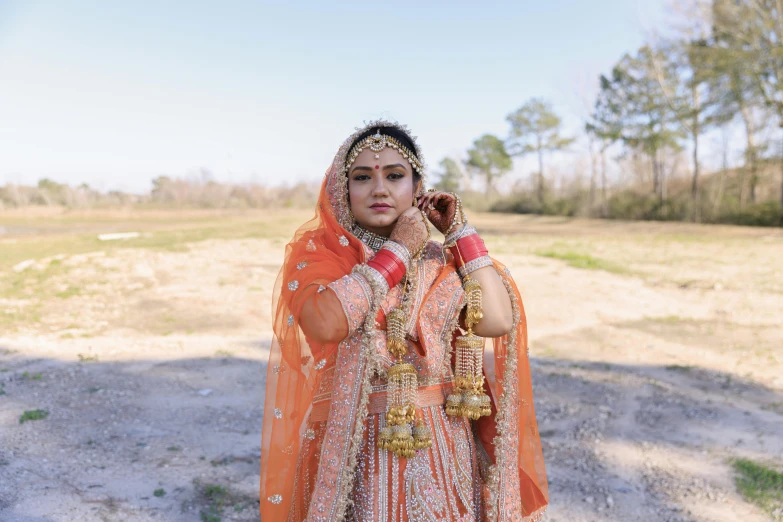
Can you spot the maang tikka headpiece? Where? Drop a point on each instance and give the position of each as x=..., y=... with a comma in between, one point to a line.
x=376, y=143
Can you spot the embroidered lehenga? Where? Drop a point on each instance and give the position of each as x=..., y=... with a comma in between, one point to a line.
x=325, y=404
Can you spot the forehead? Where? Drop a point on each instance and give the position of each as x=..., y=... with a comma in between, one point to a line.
x=387, y=156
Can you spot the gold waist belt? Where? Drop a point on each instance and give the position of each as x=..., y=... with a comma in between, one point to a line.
x=426, y=396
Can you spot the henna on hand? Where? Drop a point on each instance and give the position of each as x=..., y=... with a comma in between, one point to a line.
x=410, y=230
x=444, y=208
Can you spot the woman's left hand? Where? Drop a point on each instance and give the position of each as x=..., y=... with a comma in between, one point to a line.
x=440, y=207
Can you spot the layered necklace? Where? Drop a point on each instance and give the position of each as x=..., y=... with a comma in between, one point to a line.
x=371, y=239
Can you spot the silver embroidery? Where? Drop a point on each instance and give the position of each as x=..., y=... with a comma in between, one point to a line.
x=301, y=264
x=278, y=413
x=472, y=266
x=321, y=288
x=293, y=285
x=310, y=246
x=320, y=364
x=290, y=320
x=309, y=434
x=276, y=369
x=275, y=499
x=344, y=241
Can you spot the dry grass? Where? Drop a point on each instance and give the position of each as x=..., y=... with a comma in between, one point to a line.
x=654, y=352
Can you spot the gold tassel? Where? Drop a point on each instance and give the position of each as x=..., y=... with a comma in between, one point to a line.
x=395, y=332
x=398, y=436
x=468, y=399
x=474, y=313
x=422, y=436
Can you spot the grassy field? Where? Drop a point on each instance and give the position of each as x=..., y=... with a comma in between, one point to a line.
x=655, y=352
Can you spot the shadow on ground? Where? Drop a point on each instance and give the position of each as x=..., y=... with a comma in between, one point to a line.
x=621, y=442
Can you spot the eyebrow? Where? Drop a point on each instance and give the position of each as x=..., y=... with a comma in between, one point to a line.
x=395, y=165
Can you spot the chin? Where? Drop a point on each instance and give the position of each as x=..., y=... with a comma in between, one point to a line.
x=379, y=221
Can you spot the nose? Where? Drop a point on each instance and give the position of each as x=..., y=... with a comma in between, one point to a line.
x=379, y=187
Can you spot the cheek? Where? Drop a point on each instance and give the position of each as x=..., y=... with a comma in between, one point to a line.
x=403, y=192
x=355, y=194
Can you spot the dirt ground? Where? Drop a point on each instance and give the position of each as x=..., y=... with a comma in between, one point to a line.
x=656, y=354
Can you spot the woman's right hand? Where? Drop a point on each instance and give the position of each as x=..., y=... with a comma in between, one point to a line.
x=411, y=230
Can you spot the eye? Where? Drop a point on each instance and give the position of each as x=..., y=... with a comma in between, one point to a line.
x=361, y=177
x=396, y=175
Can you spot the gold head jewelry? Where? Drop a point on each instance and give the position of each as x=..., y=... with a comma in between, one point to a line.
x=376, y=143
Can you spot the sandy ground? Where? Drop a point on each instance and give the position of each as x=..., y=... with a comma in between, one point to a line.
x=151, y=365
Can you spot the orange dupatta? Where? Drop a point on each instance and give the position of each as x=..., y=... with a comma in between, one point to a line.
x=322, y=251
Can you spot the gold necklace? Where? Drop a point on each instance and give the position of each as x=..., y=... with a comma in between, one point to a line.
x=371, y=239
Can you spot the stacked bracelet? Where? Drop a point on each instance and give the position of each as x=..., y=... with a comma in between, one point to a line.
x=469, y=250
x=391, y=262
x=472, y=266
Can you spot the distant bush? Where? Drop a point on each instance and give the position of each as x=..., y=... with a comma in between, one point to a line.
x=635, y=205
x=166, y=192
x=767, y=214
x=574, y=204
x=518, y=203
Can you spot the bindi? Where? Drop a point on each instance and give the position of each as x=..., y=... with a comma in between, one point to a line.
x=377, y=167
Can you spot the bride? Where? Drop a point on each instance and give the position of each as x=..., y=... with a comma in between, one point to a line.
x=383, y=400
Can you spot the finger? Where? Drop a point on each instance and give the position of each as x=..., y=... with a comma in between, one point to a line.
x=445, y=197
x=442, y=199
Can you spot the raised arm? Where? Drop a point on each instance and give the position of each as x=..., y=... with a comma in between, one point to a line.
x=444, y=210
x=495, y=302
x=328, y=314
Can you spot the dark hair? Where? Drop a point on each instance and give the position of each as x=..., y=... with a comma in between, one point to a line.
x=397, y=134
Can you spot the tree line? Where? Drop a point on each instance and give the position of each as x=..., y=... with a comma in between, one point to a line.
x=720, y=70
x=166, y=192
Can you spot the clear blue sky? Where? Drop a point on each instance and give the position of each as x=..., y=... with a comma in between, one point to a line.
x=117, y=93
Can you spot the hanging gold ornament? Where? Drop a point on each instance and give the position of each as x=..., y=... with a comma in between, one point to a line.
x=399, y=436
x=395, y=332
x=468, y=398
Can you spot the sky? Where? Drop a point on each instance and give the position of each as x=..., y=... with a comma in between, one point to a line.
x=114, y=94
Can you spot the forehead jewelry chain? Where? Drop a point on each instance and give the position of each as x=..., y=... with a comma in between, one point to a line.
x=376, y=143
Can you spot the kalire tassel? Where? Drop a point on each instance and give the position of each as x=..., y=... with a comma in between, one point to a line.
x=398, y=436
x=468, y=398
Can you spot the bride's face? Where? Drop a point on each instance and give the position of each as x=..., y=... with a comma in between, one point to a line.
x=380, y=189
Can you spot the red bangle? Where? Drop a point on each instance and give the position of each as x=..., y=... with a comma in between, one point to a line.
x=457, y=259
x=389, y=266
x=468, y=248
x=471, y=253
x=472, y=241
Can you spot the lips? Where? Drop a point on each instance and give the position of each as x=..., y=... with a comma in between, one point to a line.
x=381, y=205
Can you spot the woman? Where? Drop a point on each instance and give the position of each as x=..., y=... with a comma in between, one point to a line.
x=377, y=404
